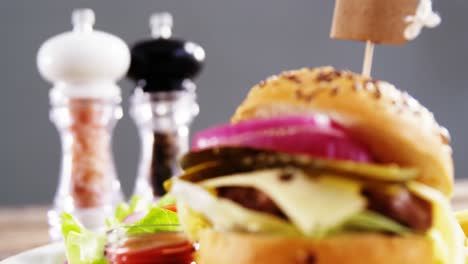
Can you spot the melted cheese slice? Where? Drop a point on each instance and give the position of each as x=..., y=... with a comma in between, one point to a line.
x=314, y=205
x=224, y=214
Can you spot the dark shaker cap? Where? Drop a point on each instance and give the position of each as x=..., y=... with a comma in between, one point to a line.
x=161, y=64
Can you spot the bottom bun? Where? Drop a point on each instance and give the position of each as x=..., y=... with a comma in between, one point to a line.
x=236, y=248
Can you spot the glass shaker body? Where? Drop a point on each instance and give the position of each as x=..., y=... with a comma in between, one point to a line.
x=88, y=186
x=163, y=120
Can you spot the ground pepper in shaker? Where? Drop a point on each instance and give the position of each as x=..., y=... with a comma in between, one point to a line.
x=84, y=65
x=164, y=102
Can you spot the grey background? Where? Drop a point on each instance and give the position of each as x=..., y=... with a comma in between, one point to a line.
x=245, y=42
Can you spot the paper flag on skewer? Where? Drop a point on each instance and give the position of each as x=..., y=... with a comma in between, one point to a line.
x=378, y=21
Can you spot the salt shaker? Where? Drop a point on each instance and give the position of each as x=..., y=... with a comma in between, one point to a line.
x=163, y=104
x=84, y=65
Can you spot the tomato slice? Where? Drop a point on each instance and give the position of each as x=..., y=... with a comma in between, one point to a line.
x=171, y=207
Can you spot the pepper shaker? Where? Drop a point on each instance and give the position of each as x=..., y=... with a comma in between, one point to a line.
x=84, y=65
x=163, y=104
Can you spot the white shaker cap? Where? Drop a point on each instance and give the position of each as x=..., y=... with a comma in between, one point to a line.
x=84, y=62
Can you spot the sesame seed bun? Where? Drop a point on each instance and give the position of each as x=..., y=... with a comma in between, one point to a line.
x=393, y=125
x=234, y=248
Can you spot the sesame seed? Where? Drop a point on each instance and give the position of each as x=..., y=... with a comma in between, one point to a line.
x=369, y=85
x=325, y=77
x=305, y=97
x=293, y=78
x=337, y=73
x=357, y=86
x=445, y=135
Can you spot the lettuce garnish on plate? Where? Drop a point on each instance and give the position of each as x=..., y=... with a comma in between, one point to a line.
x=82, y=246
x=87, y=247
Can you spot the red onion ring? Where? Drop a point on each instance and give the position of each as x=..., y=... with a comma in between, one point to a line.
x=314, y=135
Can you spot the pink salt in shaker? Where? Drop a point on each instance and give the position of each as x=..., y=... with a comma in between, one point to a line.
x=84, y=65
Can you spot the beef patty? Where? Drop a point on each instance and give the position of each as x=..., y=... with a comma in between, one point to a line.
x=398, y=204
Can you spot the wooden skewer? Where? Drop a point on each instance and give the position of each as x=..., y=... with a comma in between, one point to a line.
x=368, y=57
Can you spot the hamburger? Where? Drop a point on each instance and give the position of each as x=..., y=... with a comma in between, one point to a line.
x=321, y=166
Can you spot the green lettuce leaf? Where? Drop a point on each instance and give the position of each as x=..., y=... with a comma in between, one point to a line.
x=82, y=246
x=371, y=221
x=156, y=220
x=86, y=247
x=138, y=204
x=125, y=209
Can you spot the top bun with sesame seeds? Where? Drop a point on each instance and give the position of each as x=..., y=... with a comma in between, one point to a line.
x=393, y=125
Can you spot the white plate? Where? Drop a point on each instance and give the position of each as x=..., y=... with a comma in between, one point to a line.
x=49, y=254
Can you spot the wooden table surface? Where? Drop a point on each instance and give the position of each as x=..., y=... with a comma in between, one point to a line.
x=22, y=228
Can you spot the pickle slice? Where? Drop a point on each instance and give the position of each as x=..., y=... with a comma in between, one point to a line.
x=199, y=165
x=227, y=154
x=207, y=170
